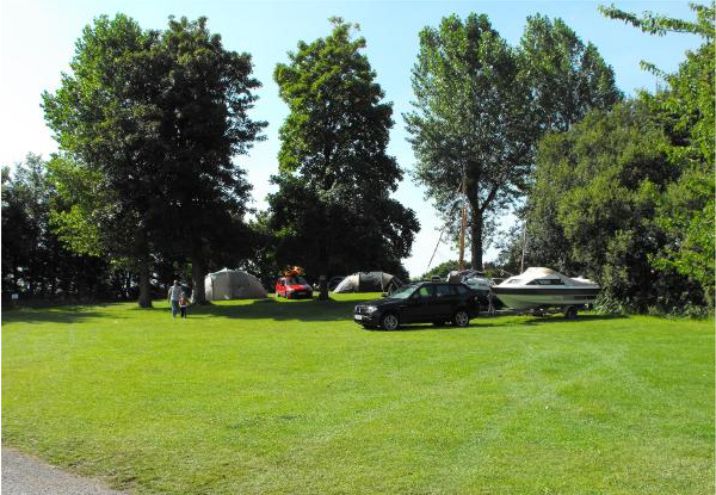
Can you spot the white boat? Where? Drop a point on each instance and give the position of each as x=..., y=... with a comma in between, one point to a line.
x=473, y=279
x=542, y=288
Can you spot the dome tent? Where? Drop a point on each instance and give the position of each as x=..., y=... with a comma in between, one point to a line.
x=232, y=284
x=369, y=282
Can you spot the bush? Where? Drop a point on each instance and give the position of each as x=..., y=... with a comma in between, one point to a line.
x=607, y=304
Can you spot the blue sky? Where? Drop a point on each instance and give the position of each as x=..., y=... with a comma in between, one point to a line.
x=37, y=42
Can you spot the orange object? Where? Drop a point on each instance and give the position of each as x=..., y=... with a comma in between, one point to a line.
x=293, y=271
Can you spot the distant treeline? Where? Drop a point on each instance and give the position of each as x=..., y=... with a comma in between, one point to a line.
x=146, y=186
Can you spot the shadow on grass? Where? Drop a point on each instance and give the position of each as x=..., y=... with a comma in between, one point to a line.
x=261, y=309
x=63, y=314
x=504, y=320
x=540, y=320
x=270, y=309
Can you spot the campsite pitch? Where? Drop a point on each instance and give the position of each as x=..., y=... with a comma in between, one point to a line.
x=293, y=397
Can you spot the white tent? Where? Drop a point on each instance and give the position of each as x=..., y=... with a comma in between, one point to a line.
x=232, y=284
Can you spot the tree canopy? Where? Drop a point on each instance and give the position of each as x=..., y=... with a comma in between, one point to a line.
x=470, y=129
x=481, y=107
x=627, y=195
x=333, y=212
x=148, y=123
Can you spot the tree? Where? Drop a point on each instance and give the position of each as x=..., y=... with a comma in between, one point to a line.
x=685, y=109
x=104, y=119
x=471, y=125
x=333, y=209
x=148, y=123
x=25, y=204
x=35, y=263
x=204, y=123
x=441, y=270
x=566, y=77
x=603, y=181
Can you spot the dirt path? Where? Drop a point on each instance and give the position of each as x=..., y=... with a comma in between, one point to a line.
x=25, y=475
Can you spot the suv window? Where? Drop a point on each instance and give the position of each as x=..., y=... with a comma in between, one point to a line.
x=444, y=290
x=424, y=292
x=461, y=289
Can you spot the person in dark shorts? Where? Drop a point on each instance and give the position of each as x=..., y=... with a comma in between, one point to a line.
x=183, y=303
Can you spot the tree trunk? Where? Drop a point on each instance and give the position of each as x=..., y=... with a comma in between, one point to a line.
x=145, y=299
x=198, y=295
x=323, y=257
x=323, y=295
x=476, y=238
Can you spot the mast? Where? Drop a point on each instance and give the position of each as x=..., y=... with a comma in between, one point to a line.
x=524, y=247
x=463, y=221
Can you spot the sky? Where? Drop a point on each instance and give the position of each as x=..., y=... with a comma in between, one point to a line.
x=37, y=43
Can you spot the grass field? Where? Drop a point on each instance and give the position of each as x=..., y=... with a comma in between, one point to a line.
x=293, y=397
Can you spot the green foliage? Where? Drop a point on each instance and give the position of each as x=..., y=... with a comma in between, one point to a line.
x=441, y=270
x=660, y=25
x=203, y=111
x=471, y=122
x=333, y=212
x=151, y=121
x=628, y=196
x=36, y=264
x=104, y=118
x=79, y=207
x=566, y=77
x=481, y=106
x=604, y=180
x=685, y=109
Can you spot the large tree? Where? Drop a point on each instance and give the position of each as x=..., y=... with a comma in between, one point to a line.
x=103, y=117
x=471, y=128
x=204, y=123
x=566, y=77
x=35, y=263
x=148, y=123
x=627, y=195
x=685, y=110
x=333, y=209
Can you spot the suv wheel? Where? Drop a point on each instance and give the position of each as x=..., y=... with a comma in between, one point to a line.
x=461, y=318
x=389, y=321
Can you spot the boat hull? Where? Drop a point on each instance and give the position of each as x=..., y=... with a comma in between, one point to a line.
x=545, y=297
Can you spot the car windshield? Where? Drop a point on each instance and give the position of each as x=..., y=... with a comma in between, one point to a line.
x=403, y=292
x=296, y=281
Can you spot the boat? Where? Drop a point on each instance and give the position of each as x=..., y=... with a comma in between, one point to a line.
x=472, y=278
x=539, y=288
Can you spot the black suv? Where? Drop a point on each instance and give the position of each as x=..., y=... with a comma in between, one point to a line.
x=425, y=302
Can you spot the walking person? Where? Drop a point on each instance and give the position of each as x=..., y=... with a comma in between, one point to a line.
x=183, y=303
x=175, y=293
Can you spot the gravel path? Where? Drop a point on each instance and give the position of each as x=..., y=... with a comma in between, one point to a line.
x=24, y=475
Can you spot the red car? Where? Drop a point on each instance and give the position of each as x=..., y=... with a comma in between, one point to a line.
x=293, y=288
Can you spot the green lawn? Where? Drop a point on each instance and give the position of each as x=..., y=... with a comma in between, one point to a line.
x=293, y=397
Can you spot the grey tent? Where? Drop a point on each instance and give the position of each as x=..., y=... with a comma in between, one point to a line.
x=369, y=282
x=232, y=284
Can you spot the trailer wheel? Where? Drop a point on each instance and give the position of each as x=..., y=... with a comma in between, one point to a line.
x=571, y=313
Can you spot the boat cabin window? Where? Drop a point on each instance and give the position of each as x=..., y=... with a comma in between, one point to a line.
x=546, y=281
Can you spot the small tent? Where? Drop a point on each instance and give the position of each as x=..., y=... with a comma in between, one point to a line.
x=232, y=284
x=369, y=282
